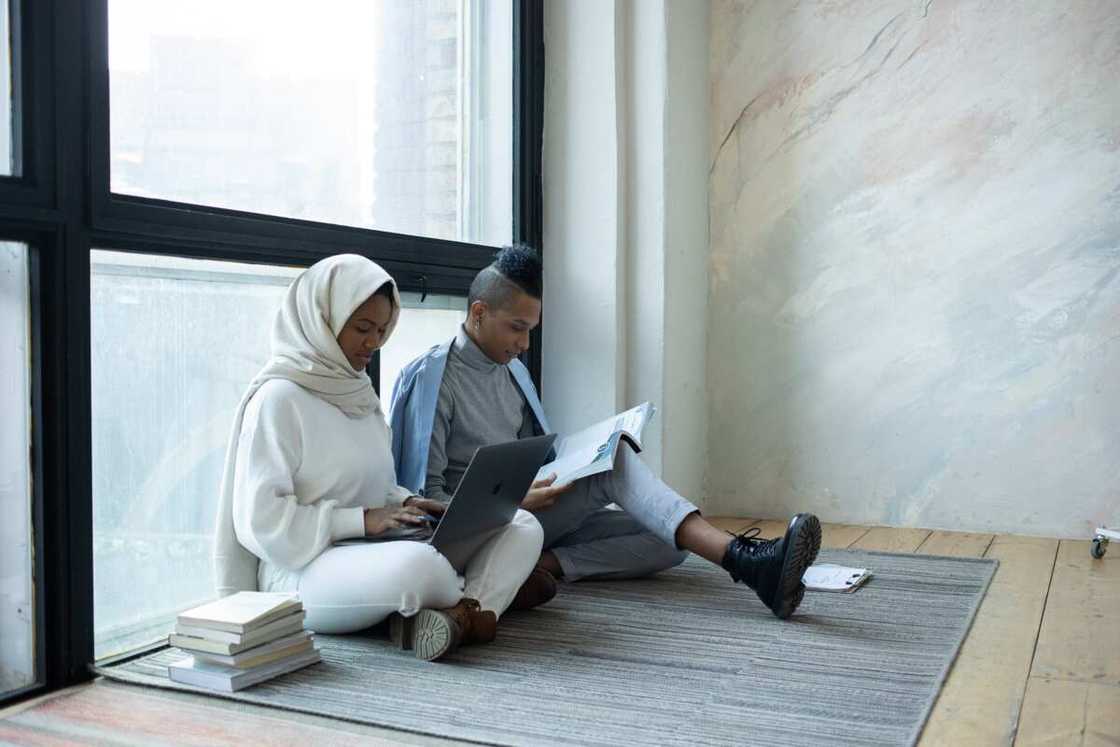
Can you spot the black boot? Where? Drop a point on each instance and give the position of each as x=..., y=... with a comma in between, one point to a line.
x=773, y=568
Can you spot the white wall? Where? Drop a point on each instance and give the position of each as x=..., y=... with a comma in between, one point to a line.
x=583, y=379
x=915, y=301
x=684, y=404
x=625, y=222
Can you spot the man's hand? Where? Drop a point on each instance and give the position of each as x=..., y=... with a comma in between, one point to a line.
x=427, y=505
x=543, y=494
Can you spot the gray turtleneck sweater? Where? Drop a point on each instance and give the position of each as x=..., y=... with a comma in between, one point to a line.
x=479, y=404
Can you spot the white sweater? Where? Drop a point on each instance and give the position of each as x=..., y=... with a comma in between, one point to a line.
x=304, y=473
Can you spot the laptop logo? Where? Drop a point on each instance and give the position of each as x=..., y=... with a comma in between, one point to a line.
x=497, y=489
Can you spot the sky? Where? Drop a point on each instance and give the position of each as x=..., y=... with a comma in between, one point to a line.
x=284, y=37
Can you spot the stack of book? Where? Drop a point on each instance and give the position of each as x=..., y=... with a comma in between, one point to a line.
x=241, y=640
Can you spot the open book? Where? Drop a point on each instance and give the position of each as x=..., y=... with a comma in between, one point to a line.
x=592, y=450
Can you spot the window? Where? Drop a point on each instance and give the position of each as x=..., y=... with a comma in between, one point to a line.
x=184, y=160
x=425, y=323
x=17, y=589
x=165, y=388
x=6, y=159
x=395, y=115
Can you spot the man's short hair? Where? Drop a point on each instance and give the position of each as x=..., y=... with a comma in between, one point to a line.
x=515, y=268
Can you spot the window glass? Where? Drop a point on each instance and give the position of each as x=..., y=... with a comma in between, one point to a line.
x=387, y=114
x=422, y=325
x=17, y=588
x=174, y=344
x=6, y=162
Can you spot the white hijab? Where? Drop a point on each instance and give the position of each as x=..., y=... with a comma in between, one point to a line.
x=305, y=351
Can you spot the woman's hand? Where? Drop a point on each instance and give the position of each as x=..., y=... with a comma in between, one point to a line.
x=434, y=508
x=380, y=520
x=543, y=494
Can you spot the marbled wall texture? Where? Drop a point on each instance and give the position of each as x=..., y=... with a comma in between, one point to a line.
x=915, y=262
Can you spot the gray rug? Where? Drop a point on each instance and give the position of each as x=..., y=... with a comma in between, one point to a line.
x=684, y=657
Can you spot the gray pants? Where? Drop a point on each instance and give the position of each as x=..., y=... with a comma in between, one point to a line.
x=593, y=541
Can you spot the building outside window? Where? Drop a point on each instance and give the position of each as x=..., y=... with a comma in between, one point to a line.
x=394, y=115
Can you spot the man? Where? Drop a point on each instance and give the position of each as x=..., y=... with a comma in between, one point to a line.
x=473, y=391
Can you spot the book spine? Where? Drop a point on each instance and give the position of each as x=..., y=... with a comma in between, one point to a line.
x=194, y=644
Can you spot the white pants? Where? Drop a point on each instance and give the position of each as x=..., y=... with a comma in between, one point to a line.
x=351, y=587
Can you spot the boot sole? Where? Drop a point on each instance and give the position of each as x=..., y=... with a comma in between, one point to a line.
x=802, y=543
x=434, y=635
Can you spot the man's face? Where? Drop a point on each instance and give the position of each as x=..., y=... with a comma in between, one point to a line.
x=503, y=333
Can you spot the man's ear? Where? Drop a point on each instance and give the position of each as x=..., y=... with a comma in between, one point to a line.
x=476, y=312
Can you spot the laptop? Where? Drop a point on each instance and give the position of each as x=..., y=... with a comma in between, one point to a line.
x=489, y=493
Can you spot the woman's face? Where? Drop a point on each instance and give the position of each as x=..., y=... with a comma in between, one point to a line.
x=364, y=332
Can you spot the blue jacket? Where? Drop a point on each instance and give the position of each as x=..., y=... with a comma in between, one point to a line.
x=413, y=411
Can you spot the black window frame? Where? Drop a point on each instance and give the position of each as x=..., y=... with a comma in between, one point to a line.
x=61, y=206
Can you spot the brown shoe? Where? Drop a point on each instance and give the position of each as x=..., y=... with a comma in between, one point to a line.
x=478, y=625
x=432, y=634
x=539, y=588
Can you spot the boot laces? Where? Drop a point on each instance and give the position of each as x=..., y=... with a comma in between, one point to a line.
x=748, y=556
x=753, y=544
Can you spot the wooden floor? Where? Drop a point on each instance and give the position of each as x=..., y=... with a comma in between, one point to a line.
x=1041, y=664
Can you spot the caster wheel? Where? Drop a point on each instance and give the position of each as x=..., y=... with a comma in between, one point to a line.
x=1098, y=548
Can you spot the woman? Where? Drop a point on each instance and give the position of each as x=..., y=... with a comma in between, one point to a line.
x=309, y=464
